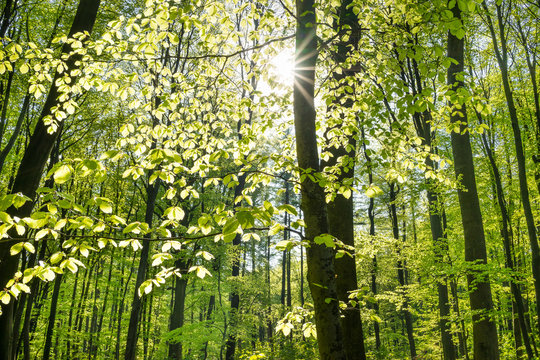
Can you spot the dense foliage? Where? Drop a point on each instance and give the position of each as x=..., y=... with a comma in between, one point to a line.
x=169, y=188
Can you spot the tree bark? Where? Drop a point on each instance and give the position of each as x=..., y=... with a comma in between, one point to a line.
x=136, y=303
x=371, y=217
x=485, y=342
x=321, y=274
x=235, y=296
x=407, y=316
x=502, y=60
x=177, y=315
x=340, y=209
x=52, y=318
x=32, y=165
x=423, y=123
x=507, y=241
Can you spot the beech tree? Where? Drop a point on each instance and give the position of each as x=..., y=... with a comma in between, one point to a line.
x=264, y=180
x=36, y=155
x=485, y=343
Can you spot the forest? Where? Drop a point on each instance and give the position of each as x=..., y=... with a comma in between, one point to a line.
x=275, y=179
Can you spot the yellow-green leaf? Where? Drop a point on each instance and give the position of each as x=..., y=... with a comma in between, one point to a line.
x=62, y=174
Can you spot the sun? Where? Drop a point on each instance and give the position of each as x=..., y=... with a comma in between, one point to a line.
x=282, y=67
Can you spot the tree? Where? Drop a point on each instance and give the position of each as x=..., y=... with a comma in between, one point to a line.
x=485, y=342
x=35, y=158
x=320, y=258
x=340, y=168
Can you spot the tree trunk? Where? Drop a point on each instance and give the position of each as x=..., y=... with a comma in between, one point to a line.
x=485, y=342
x=340, y=209
x=402, y=275
x=135, y=315
x=52, y=318
x=371, y=217
x=235, y=296
x=502, y=60
x=32, y=165
x=423, y=123
x=507, y=241
x=321, y=274
x=177, y=315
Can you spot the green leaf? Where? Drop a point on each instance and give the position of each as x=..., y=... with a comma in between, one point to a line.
x=17, y=248
x=106, y=207
x=5, y=218
x=20, y=229
x=24, y=68
x=231, y=227
x=206, y=255
x=42, y=233
x=288, y=208
x=373, y=191
x=325, y=239
x=285, y=245
x=19, y=200
x=200, y=271
x=56, y=257
x=174, y=213
x=5, y=298
x=62, y=174
x=275, y=229
x=29, y=247
x=145, y=287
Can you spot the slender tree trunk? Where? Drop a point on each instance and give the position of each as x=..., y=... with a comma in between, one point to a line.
x=70, y=316
x=462, y=333
x=121, y=311
x=52, y=317
x=15, y=135
x=269, y=327
x=402, y=275
x=92, y=346
x=485, y=342
x=105, y=300
x=532, y=63
x=235, y=296
x=211, y=306
x=423, y=123
x=136, y=303
x=29, y=303
x=506, y=234
x=502, y=60
x=7, y=16
x=371, y=217
x=517, y=332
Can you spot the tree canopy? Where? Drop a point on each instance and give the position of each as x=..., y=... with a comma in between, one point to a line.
x=269, y=179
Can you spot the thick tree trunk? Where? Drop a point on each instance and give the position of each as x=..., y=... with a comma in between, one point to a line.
x=32, y=165
x=485, y=342
x=177, y=315
x=321, y=274
x=340, y=210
